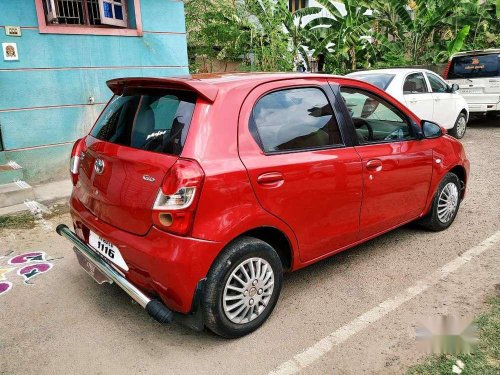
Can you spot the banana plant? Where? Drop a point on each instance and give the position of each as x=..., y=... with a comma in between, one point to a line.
x=299, y=36
x=346, y=37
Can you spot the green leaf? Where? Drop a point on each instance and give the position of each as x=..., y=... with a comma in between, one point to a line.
x=457, y=43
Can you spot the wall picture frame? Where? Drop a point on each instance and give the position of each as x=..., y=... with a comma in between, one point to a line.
x=10, y=52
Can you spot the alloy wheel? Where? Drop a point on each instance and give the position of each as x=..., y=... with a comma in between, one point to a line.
x=447, y=203
x=248, y=290
x=461, y=126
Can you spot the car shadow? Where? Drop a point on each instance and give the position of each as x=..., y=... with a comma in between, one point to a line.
x=114, y=304
x=487, y=122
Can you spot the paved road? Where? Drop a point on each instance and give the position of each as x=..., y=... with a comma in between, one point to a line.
x=65, y=323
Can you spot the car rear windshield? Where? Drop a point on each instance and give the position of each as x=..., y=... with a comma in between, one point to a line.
x=150, y=120
x=380, y=80
x=475, y=66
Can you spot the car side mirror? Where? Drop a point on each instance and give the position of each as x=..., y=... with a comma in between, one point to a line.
x=431, y=130
x=454, y=88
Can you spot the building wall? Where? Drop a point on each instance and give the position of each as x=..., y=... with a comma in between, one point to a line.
x=44, y=97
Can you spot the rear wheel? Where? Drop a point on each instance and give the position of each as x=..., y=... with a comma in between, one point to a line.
x=445, y=204
x=243, y=287
x=458, y=131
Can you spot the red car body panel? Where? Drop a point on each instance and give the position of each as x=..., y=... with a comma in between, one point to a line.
x=322, y=201
x=331, y=177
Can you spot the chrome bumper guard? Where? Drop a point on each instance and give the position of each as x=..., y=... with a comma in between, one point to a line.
x=154, y=307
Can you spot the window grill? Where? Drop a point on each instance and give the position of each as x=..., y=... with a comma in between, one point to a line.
x=86, y=12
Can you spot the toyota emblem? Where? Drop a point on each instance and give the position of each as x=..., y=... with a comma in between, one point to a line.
x=99, y=166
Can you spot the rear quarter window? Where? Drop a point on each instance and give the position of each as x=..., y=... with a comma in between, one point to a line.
x=475, y=66
x=152, y=120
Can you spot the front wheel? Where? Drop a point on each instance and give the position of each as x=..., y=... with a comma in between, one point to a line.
x=242, y=287
x=444, y=205
x=458, y=131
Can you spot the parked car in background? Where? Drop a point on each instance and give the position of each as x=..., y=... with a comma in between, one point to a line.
x=477, y=73
x=194, y=195
x=425, y=93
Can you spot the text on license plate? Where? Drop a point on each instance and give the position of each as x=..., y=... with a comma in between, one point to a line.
x=107, y=249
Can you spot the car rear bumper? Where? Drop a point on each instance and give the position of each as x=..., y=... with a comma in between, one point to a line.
x=482, y=103
x=160, y=264
x=154, y=307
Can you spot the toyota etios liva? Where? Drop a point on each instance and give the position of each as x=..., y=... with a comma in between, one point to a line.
x=194, y=195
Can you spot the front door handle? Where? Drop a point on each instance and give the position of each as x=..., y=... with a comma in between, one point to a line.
x=374, y=165
x=271, y=179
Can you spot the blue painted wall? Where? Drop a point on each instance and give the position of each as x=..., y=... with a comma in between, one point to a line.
x=44, y=96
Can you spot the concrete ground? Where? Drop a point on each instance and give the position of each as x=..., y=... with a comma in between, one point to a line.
x=45, y=194
x=63, y=322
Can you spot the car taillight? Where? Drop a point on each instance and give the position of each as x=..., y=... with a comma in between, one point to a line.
x=177, y=198
x=446, y=70
x=74, y=162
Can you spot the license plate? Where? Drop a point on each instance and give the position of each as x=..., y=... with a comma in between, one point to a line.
x=91, y=269
x=107, y=249
x=470, y=91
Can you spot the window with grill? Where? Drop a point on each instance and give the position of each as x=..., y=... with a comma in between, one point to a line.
x=294, y=5
x=86, y=12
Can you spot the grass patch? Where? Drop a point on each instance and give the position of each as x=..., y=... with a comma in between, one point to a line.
x=484, y=361
x=21, y=221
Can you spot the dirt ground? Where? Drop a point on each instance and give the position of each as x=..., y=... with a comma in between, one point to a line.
x=61, y=321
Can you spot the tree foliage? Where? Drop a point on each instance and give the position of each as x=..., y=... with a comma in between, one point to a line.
x=264, y=35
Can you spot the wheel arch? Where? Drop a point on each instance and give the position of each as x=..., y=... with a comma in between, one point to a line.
x=466, y=113
x=274, y=237
x=460, y=172
x=277, y=239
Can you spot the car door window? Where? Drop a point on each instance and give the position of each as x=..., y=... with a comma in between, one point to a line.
x=294, y=119
x=414, y=84
x=437, y=84
x=375, y=120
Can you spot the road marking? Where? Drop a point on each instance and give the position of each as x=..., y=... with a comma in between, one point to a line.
x=325, y=345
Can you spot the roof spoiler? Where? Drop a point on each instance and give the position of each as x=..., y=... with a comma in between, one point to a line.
x=203, y=89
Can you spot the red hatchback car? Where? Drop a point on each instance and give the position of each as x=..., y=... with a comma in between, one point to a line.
x=194, y=195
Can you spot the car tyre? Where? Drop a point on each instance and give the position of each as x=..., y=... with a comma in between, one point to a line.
x=445, y=204
x=254, y=268
x=458, y=131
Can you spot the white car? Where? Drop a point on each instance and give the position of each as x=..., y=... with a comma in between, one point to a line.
x=477, y=73
x=425, y=93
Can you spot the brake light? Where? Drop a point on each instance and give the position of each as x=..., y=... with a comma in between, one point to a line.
x=177, y=198
x=447, y=70
x=76, y=156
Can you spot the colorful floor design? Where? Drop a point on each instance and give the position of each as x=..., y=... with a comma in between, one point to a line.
x=28, y=266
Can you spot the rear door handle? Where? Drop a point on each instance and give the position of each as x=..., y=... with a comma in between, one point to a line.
x=271, y=179
x=374, y=165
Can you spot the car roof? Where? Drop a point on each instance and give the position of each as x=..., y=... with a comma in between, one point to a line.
x=476, y=52
x=236, y=79
x=388, y=71
x=208, y=85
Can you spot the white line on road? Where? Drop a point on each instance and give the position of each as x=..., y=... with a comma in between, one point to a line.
x=325, y=345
